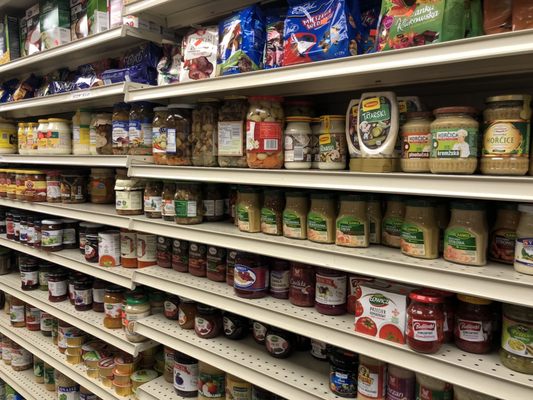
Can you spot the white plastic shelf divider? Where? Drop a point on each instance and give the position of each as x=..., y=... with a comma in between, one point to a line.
x=75, y=160
x=298, y=377
x=469, y=186
x=72, y=259
x=24, y=383
x=88, y=321
x=44, y=348
x=158, y=389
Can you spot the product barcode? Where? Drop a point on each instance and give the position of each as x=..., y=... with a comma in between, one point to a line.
x=271, y=144
x=298, y=153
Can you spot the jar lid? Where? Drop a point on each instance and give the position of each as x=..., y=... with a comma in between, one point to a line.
x=144, y=375
x=136, y=299
x=182, y=105
x=473, y=300
x=455, y=110
x=52, y=221
x=33, y=124
x=298, y=118
x=42, y=121
x=526, y=208
x=277, y=99
x=426, y=296
x=468, y=205
x=22, y=124
x=58, y=120
x=159, y=109
x=509, y=97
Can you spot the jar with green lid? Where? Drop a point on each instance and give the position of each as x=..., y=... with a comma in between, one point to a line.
x=392, y=221
x=373, y=209
x=295, y=215
x=516, y=350
x=352, y=226
x=248, y=209
x=466, y=238
x=272, y=212
x=188, y=203
x=419, y=231
x=321, y=218
x=137, y=307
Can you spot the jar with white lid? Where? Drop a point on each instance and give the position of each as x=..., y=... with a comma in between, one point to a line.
x=332, y=142
x=80, y=132
x=523, y=254
x=32, y=138
x=8, y=137
x=297, y=138
x=42, y=131
x=315, y=145
x=21, y=137
x=59, y=141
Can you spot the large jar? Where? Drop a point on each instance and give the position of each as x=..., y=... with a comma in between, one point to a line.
x=52, y=235
x=137, y=307
x=425, y=321
x=454, y=141
x=188, y=203
x=232, y=131
x=204, y=133
x=473, y=324
x=419, y=231
x=248, y=209
x=416, y=142
x=59, y=137
x=466, y=238
x=129, y=196
x=400, y=383
x=159, y=135
x=153, y=199
x=35, y=186
x=32, y=138
x=264, y=132
x=140, y=128
x=392, y=221
x=372, y=379
x=517, y=331
x=503, y=233
x=523, y=259
x=81, y=121
x=121, y=120
x=351, y=226
x=330, y=291
x=332, y=141
x=295, y=215
x=73, y=188
x=42, y=133
x=321, y=218
x=373, y=208
x=8, y=137
x=297, y=138
x=250, y=276
x=507, y=137
x=343, y=366
x=101, y=186
x=272, y=212
x=101, y=134
x=179, y=139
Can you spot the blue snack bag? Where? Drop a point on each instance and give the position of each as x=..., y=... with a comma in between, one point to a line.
x=241, y=42
x=275, y=22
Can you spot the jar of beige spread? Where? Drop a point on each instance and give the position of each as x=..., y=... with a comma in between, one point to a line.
x=420, y=232
x=416, y=142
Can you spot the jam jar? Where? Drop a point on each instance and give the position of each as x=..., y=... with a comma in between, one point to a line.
x=171, y=305
x=186, y=313
x=236, y=327
x=259, y=331
x=280, y=279
x=473, y=324
x=425, y=321
x=98, y=295
x=250, y=276
x=198, y=259
x=83, y=294
x=230, y=266
x=343, y=371
x=330, y=291
x=113, y=299
x=153, y=199
x=208, y=322
x=57, y=285
x=29, y=273
x=185, y=375
x=279, y=343
x=164, y=252
x=216, y=264
x=52, y=235
x=180, y=255
x=302, y=285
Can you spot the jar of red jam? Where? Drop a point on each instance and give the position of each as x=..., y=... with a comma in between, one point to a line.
x=425, y=321
x=208, y=322
x=186, y=313
x=235, y=326
x=83, y=294
x=302, y=285
x=250, y=276
x=33, y=318
x=330, y=291
x=29, y=273
x=180, y=255
x=99, y=287
x=230, y=266
x=164, y=252
x=198, y=259
x=473, y=324
x=57, y=285
x=279, y=279
x=216, y=264
x=171, y=305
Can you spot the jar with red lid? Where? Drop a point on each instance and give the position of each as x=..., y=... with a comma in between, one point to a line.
x=83, y=294
x=198, y=259
x=164, y=252
x=279, y=279
x=216, y=264
x=330, y=291
x=230, y=266
x=99, y=287
x=250, y=276
x=33, y=318
x=171, y=305
x=180, y=255
x=425, y=321
x=473, y=324
x=207, y=322
x=57, y=285
x=302, y=285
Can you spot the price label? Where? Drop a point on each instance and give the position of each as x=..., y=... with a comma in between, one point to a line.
x=80, y=95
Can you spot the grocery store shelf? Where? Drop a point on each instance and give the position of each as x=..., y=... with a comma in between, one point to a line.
x=298, y=377
x=44, y=348
x=24, y=383
x=158, y=389
x=468, y=186
x=71, y=55
x=503, y=54
x=72, y=259
x=76, y=160
x=102, y=96
x=88, y=321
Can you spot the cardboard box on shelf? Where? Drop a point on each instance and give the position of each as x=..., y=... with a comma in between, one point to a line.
x=30, y=32
x=55, y=23
x=115, y=13
x=141, y=23
x=9, y=39
x=79, y=27
x=97, y=16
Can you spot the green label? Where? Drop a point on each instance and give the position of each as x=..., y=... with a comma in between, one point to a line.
x=211, y=385
x=268, y=216
x=517, y=337
x=49, y=376
x=374, y=121
x=292, y=220
x=454, y=143
x=412, y=234
x=317, y=222
x=393, y=225
x=351, y=226
x=185, y=208
x=38, y=369
x=460, y=239
x=242, y=213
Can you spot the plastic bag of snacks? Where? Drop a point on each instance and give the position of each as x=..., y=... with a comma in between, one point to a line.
x=274, y=22
x=200, y=48
x=168, y=68
x=319, y=30
x=367, y=16
x=242, y=40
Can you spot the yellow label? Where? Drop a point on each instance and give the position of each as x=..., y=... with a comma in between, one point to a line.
x=506, y=138
x=84, y=135
x=8, y=139
x=325, y=138
x=371, y=104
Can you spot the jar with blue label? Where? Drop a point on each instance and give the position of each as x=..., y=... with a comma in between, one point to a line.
x=251, y=276
x=120, y=122
x=140, y=128
x=343, y=372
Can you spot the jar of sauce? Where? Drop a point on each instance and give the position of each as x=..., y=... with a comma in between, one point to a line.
x=295, y=215
x=279, y=343
x=425, y=321
x=236, y=327
x=342, y=372
x=113, y=299
x=128, y=248
x=416, y=142
x=372, y=379
x=248, y=209
x=208, y=322
x=330, y=291
x=52, y=235
x=272, y=212
x=17, y=313
x=473, y=324
x=35, y=183
x=153, y=199
x=180, y=255
x=420, y=231
x=186, y=313
x=98, y=295
x=83, y=294
x=251, y=276
x=57, y=285
x=216, y=264
x=280, y=279
x=302, y=285
x=53, y=186
x=29, y=275
x=164, y=252
x=198, y=259
x=352, y=226
x=101, y=186
x=73, y=188
x=33, y=318
x=171, y=305
x=185, y=375
x=523, y=243
x=230, y=266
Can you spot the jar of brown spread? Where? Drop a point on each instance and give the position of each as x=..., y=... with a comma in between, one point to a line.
x=101, y=186
x=129, y=196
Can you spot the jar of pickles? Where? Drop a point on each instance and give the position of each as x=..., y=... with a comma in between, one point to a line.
x=179, y=125
x=159, y=135
x=188, y=203
x=204, y=133
x=232, y=131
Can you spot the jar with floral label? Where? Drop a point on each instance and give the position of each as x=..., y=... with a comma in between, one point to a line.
x=208, y=322
x=248, y=209
x=466, y=238
x=473, y=324
x=332, y=141
x=419, y=231
x=342, y=372
x=232, y=131
x=146, y=250
x=216, y=264
x=523, y=259
x=330, y=291
x=180, y=255
x=251, y=276
x=295, y=215
x=204, y=133
x=198, y=259
x=373, y=208
x=392, y=221
x=153, y=199
x=400, y=383
x=503, y=233
x=428, y=387
x=371, y=379
x=280, y=279
x=297, y=138
x=302, y=284
x=264, y=132
x=179, y=139
x=213, y=202
x=425, y=321
x=168, y=210
x=416, y=142
x=140, y=128
x=159, y=135
x=188, y=203
x=272, y=212
x=185, y=375
x=137, y=307
x=351, y=226
x=121, y=117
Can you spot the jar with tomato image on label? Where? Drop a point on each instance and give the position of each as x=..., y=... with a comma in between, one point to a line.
x=400, y=383
x=171, y=305
x=428, y=388
x=128, y=248
x=279, y=343
x=198, y=259
x=180, y=255
x=302, y=284
x=211, y=382
x=330, y=291
x=216, y=264
x=343, y=372
x=186, y=313
x=473, y=324
x=208, y=322
x=371, y=379
x=235, y=326
x=185, y=375
x=425, y=321
x=259, y=332
x=230, y=266
x=251, y=276
x=280, y=279
x=164, y=252
x=146, y=250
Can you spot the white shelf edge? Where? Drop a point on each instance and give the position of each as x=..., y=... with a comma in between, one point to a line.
x=75, y=160
x=158, y=389
x=23, y=382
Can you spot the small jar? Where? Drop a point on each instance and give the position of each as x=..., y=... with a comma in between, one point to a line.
x=248, y=209
x=251, y=276
x=159, y=135
x=44, y=270
x=128, y=248
x=204, y=133
x=186, y=313
x=279, y=343
x=101, y=186
x=98, y=295
x=461, y=393
x=425, y=321
x=333, y=147
x=171, y=305
x=235, y=326
x=232, y=132
x=524, y=243
x=208, y=322
x=137, y=307
x=216, y=264
x=419, y=231
x=319, y=350
x=59, y=137
x=91, y=248
x=180, y=255
x=179, y=140
x=188, y=203
x=57, y=286
x=35, y=190
x=330, y=291
x=17, y=313
x=84, y=229
x=321, y=218
x=47, y=323
x=416, y=142
x=168, y=210
x=120, y=121
x=392, y=221
x=297, y=138
x=53, y=186
x=113, y=299
x=185, y=375
x=372, y=379
x=473, y=324
x=33, y=318
x=295, y=215
x=302, y=285
x=70, y=233
x=153, y=199
x=140, y=128
x=259, y=331
x=280, y=279
x=352, y=226
x=343, y=372
x=157, y=301
x=164, y=252
x=73, y=188
x=213, y=202
x=197, y=259
x=129, y=196
x=83, y=294
x=11, y=184
x=503, y=233
x=272, y=212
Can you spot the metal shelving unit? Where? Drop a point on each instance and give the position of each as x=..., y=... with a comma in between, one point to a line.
x=158, y=389
x=88, y=321
x=24, y=383
x=74, y=160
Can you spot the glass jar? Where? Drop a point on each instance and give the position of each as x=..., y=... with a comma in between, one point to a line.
x=113, y=299
x=91, y=248
x=461, y=393
x=272, y=212
x=16, y=227
x=302, y=285
x=137, y=307
x=171, y=307
x=207, y=322
x=213, y=202
x=466, y=238
x=179, y=127
x=321, y=218
x=506, y=138
x=98, y=295
x=232, y=131
x=83, y=294
x=230, y=266
x=248, y=209
x=140, y=128
x=129, y=196
x=297, y=138
x=146, y=250
x=20, y=182
x=53, y=186
x=70, y=233
x=188, y=203
x=38, y=370
x=153, y=199
x=216, y=264
x=35, y=186
x=32, y=138
x=305, y=108
x=3, y=183
x=52, y=235
x=333, y=147
x=8, y=144
x=84, y=229
x=392, y=221
x=42, y=133
x=164, y=252
x=236, y=387
x=264, y=132
x=372, y=379
x=400, y=383
x=250, y=276
x=185, y=375
x=22, y=130
x=33, y=318
x=180, y=255
x=197, y=259
x=502, y=236
x=236, y=327
x=425, y=321
x=29, y=274
x=295, y=215
x=59, y=137
x=57, y=285
x=128, y=248
x=120, y=120
x=73, y=188
x=17, y=313
x=21, y=359
x=186, y=313
x=279, y=342
x=419, y=231
x=159, y=135
x=330, y=291
x=204, y=133
x=517, y=330
x=342, y=372
x=157, y=301
x=454, y=135
x=432, y=388
x=523, y=262
x=168, y=211
x=44, y=270
x=416, y=142
x=11, y=184
x=101, y=186
x=351, y=226
x=280, y=279
x=101, y=134
x=473, y=324
x=81, y=132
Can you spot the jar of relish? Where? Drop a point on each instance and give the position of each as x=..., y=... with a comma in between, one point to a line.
x=425, y=321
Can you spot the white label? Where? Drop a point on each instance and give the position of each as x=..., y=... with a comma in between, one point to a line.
x=171, y=141
x=230, y=137
x=369, y=385
x=131, y=319
x=18, y=313
x=127, y=200
x=128, y=244
x=68, y=392
x=83, y=297
x=330, y=290
x=69, y=236
x=168, y=208
x=279, y=281
x=98, y=295
x=425, y=330
x=146, y=247
x=523, y=252
x=57, y=289
x=113, y=310
x=213, y=208
x=259, y=331
x=186, y=377
x=29, y=278
x=152, y=203
x=20, y=357
x=76, y=133
x=473, y=331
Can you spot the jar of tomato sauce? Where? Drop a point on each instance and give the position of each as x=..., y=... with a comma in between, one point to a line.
x=473, y=324
x=425, y=321
x=330, y=291
x=251, y=276
x=302, y=285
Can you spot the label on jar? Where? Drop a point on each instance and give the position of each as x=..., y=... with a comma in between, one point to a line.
x=416, y=145
x=140, y=133
x=524, y=251
x=343, y=382
x=373, y=234
x=400, y=388
x=230, y=137
x=53, y=190
x=202, y=326
x=332, y=147
x=460, y=245
x=319, y=349
x=54, y=140
x=33, y=316
x=146, y=248
x=506, y=138
x=69, y=236
x=213, y=208
x=392, y=229
x=83, y=297
x=228, y=326
x=502, y=245
x=259, y=331
x=186, y=208
x=171, y=141
x=47, y=322
x=131, y=321
x=171, y=310
x=297, y=147
x=454, y=142
x=269, y=221
x=292, y=225
x=120, y=133
x=109, y=249
x=212, y=385
x=43, y=278
x=262, y=137
x=128, y=200
x=128, y=244
x=317, y=227
x=424, y=393
x=330, y=290
x=412, y=240
x=56, y=289
x=159, y=140
x=517, y=337
x=152, y=203
x=473, y=331
x=20, y=357
x=371, y=381
x=51, y=238
x=98, y=295
x=250, y=278
x=374, y=121
x=29, y=278
x=113, y=310
x=279, y=281
x=276, y=344
x=167, y=208
x=350, y=231
x=424, y=330
x=186, y=377
x=68, y=392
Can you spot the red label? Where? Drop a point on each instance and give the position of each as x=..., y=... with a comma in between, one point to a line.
x=249, y=278
x=263, y=137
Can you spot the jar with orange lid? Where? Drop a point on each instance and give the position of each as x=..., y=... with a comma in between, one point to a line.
x=35, y=184
x=332, y=142
x=297, y=139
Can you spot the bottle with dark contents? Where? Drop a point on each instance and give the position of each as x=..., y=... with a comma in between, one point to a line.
x=302, y=285
x=2, y=221
x=83, y=293
x=23, y=236
x=302, y=343
x=91, y=248
x=171, y=306
x=57, y=285
x=216, y=264
x=473, y=326
x=330, y=292
x=230, y=266
x=251, y=276
x=99, y=287
x=236, y=327
x=37, y=224
x=208, y=322
x=185, y=375
x=10, y=226
x=343, y=372
x=319, y=350
x=180, y=255
x=213, y=202
x=198, y=259
x=279, y=343
x=29, y=272
x=16, y=227
x=280, y=279
x=164, y=252
x=186, y=313
x=259, y=332
x=30, y=233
